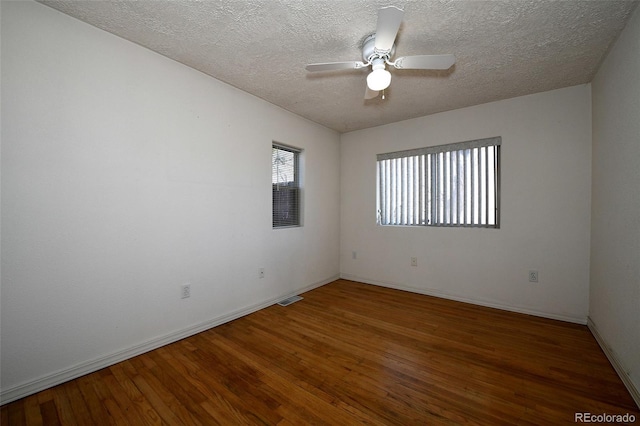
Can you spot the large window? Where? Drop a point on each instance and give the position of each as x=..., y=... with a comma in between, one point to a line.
x=447, y=185
x=285, y=182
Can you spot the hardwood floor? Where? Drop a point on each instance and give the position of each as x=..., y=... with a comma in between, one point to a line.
x=350, y=353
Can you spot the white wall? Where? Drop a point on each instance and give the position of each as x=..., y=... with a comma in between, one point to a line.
x=546, y=163
x=614, y=302
x=124, y=175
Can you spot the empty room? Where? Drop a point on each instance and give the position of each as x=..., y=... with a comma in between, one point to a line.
x=320, y=212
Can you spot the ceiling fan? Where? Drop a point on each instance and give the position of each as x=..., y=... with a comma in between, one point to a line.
x=377, y=50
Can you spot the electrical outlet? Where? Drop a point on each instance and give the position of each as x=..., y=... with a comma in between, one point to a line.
x=185, y=291
x=261, y=273
x=414, y=261
x=354, y=255
x=533, y=276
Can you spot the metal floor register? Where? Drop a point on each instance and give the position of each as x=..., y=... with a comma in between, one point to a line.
x=290, y=300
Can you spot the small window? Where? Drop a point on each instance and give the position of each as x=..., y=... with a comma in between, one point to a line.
x=448, y=185
x=285, y=182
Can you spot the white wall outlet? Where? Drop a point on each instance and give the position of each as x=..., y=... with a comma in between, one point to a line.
x=185, y=291
x=354, y=255
x=261, y=273
x=414, y=261
x=533, y=276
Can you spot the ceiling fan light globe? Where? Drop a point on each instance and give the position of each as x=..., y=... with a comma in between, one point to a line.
x=379, y=79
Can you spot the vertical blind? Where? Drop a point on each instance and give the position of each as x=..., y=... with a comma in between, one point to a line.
x=447, y=185
x=285, y=183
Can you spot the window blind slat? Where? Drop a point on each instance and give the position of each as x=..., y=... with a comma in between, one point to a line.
x=484, y=197
x=416, y=191
x=439, y=190
x=497, y=186
x=433, y=188
x=472, y=153
x=460, y=161
x=424, y=174
x=390, y=191
x=403, y=188
x=392, y=185
x=464, y=192
x=380, y=181
x=486, y=185
x=454, y=192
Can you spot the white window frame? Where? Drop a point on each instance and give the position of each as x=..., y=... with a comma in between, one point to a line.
x=453, y=185
x=287, y=184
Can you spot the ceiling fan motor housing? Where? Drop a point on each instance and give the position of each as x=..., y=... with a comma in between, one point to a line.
x=369, y=51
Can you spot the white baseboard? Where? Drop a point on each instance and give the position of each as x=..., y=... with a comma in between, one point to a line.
x=489, y=304
x=28, y=388
x=615, y=362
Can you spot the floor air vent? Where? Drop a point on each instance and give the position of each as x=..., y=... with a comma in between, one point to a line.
x=290, y=300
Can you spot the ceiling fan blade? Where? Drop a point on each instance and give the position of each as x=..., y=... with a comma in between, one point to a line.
x=389, y=20
x=425, y=62
x=370, y=94
x=333, y=66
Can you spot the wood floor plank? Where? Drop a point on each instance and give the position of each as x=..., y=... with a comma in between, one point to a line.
x=33, y=416
x=350, y=353
x=63, y=407
x=16, y=414
x=97, y=410
x=77, y=406
x=4, y=414
x=156, y=397
x=164, y=393
x=49, y=414
x=101, y=386
x=221, y=410
x=123, y=373
x=236, y=382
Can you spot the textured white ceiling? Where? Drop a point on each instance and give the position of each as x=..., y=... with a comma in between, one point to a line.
x=503, y=48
